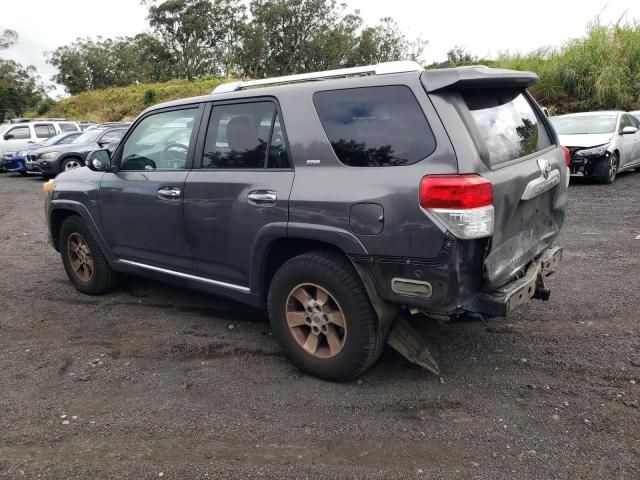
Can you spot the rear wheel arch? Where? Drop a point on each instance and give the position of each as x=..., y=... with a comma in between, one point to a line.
x=283, y=249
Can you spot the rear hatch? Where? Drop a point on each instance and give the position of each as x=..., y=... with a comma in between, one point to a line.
x=515, y=148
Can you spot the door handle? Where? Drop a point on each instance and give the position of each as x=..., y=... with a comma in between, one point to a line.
x=169, y=193
x=262, y=197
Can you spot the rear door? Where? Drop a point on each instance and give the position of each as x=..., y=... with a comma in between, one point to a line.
x=519, y=154
x=141, y=205
x=240, y=189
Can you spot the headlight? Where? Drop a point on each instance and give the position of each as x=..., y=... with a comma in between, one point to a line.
x=48, y=156
x=593, y=152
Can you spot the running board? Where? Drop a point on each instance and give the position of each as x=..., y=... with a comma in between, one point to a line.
x=408, y=342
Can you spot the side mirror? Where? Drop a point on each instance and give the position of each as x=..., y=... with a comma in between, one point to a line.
x=9, y=136
x=628, y=130
x=99, y=161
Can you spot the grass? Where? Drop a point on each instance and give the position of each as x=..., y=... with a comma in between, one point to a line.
x=125, y=103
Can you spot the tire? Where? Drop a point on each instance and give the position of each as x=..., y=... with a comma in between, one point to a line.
x=606, y=171
x=70, y=163
x=360, y=339
x=100, y=277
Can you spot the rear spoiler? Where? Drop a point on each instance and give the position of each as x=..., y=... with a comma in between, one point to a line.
x=477, y=76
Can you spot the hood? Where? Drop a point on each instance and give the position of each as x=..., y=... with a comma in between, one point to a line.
x=585, y=140
x=70, y=147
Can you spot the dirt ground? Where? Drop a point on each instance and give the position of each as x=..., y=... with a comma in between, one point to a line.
x=157, y=382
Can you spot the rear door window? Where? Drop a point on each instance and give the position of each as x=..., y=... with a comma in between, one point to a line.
x=506, y=124
x=67, y=127
x=375, y=126
x=245, y=135
x=44, y=130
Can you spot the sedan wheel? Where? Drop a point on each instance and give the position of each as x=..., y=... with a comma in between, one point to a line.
x=71, y=164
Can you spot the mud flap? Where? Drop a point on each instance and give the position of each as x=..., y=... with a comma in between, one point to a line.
x=408, y=342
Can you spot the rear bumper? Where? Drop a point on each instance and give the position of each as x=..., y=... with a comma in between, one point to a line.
x=503, y=300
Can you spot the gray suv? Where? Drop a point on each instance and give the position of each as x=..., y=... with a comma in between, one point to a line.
x=334, y=204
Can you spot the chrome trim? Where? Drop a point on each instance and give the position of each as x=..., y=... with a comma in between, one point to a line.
x=540, y=185
x=188, y=276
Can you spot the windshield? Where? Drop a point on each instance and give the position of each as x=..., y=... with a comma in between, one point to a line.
x=584, y=124
x=56, y=140
x=89, y=136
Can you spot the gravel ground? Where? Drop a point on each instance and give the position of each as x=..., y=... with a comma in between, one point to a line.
x=157, y=382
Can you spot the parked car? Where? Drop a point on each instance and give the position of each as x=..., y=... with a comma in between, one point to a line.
x=16, y=137
x=50, y=161
x=85, y=125
x=18, y=162
x=333, y=203
x=601, y=144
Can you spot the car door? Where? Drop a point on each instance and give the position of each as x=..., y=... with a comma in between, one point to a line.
x=635, y=156
x=628, y=141
x=239, y=188
x=17, y=138
x=141, y=203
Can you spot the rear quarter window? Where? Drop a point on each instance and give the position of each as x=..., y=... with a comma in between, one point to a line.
x=375, y=126
x=506, y=123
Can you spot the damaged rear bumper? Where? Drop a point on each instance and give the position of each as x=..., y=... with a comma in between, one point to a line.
x=503, y=300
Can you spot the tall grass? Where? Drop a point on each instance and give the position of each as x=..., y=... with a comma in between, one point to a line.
x=598, y=72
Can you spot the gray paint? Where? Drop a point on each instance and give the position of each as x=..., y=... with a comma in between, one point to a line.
x=214, y=236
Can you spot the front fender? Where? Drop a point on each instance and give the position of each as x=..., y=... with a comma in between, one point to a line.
x=58, y=205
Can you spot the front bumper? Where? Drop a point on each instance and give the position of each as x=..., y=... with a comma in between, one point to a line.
x=503, y=300
x=13, y=163
x=583, y=165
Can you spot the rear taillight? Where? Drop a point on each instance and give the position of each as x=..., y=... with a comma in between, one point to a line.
x=462, y=203
x=567, y=155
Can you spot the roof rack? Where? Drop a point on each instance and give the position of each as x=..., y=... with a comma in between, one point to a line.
x=379, y=69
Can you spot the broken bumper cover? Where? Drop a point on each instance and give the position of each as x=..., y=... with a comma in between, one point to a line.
x=503, y=300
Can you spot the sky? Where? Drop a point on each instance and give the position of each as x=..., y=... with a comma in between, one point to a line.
x=484, y=27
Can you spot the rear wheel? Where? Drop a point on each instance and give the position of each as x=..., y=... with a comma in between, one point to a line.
x=86, y=266
x=321, y=315
x=607, y=170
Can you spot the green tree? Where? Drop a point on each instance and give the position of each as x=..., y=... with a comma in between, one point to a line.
x=202, y=36
x=20, y=88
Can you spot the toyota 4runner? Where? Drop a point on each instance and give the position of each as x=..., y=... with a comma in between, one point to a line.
x=333, y=204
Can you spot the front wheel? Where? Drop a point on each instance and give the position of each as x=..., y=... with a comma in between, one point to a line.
x=322, y=317
x=84, y=262
x=70, y=164
x=607, y=170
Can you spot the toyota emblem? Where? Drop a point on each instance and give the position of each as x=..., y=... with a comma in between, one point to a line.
x=545, y=168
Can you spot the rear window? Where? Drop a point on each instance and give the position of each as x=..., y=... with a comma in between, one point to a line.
x=506, y=123
x=375, y=126
x=67, y=127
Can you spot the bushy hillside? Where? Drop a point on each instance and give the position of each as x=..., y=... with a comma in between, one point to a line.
x=124, y=103
x=598, y=72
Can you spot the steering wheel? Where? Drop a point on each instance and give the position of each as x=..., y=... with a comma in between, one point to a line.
x=138, y=163
x=173, y=146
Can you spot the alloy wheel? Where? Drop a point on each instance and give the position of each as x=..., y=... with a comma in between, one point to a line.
x=613, y=168
x=71, y=165
x=316, y=320
x=80, y=257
